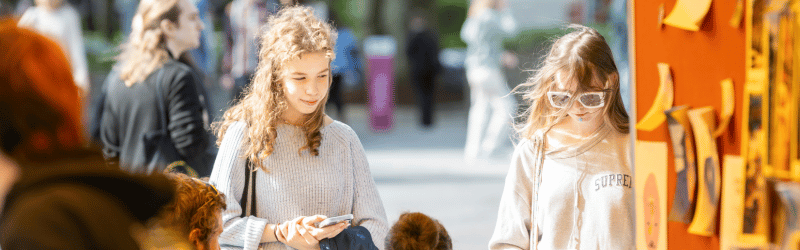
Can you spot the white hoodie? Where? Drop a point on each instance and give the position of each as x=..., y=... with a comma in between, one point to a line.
x=63, y=25
x=585, y=199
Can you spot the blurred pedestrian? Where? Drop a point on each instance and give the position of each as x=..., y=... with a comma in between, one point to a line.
x=59, y=21
x=346, y=67
x=247, y=19
x=570, y=181
x=488, y=23
x=196, y=212
x=307, y=166
x=155, y=114
x=417, y=231
x=205, y=56
x=423, y=55
x=126, y=9
x=62, y=195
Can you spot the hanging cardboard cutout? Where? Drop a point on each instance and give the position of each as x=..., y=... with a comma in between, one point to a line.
x=680, y=132
x=708, y=188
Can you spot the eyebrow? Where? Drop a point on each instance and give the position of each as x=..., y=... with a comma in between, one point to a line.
x=561, y=90
x=302, y=74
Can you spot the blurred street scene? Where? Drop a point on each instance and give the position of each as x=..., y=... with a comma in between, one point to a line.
x=417, y=167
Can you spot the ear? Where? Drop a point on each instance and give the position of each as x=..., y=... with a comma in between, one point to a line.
x=167, y=27
x=194, y=237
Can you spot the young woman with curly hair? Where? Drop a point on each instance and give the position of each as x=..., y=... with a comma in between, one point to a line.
x=307, y=166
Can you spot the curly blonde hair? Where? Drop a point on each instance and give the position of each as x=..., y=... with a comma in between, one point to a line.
x=581, y=56
x=195, y=206
x=146, y=48
x=292, y=32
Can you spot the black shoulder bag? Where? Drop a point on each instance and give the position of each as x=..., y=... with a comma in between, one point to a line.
x=248, y=201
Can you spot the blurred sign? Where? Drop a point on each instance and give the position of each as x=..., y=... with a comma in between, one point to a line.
x=380, y=46
x=380, y=52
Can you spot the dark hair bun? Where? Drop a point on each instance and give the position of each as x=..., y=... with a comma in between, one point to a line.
x=417, y=231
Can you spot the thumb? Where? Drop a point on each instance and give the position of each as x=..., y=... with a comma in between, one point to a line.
x=310, y=220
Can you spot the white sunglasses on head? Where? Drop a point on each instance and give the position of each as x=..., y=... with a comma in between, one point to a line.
x=589, y=99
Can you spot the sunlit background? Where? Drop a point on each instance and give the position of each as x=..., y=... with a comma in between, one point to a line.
x=417, y=168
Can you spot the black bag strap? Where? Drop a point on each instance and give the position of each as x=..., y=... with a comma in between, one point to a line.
x=248, y=202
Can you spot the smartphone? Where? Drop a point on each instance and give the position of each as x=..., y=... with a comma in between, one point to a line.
x=333, y=220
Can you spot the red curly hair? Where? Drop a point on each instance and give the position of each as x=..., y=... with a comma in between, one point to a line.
x=417, y=231
x=196, y=206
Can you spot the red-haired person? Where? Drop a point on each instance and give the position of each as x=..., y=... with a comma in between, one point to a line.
x=195, y=214
x=417, y=231
x=59, y=195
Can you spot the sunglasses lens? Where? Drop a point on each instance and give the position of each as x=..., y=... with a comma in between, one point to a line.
x=559, y=100
x=592, y=100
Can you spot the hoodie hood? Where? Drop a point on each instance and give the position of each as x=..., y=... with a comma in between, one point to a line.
x=142, y=195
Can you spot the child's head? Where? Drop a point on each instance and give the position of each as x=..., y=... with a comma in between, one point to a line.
x=417, y=231
x=196, y=212
x=292, y=79
x=578, y=80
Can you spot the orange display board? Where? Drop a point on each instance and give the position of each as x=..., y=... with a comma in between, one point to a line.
x=699, y=61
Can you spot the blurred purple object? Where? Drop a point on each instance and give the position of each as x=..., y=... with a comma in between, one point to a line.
x=380, y=52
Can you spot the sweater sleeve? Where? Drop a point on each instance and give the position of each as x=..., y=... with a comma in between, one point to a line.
x=513, y=228
x=228, y=177
x=367, y=204
x=186, y=126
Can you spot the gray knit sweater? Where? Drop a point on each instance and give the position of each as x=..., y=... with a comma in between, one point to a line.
x=336, y=182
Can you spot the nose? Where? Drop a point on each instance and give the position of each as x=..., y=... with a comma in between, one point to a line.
x=576, y=105
x=312, y=89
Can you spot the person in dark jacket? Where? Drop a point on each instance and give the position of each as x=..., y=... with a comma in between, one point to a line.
x=155, y=114
x=54, y=193
x=423, y=54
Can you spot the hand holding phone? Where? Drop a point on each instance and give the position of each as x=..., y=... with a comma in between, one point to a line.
x=334, y=220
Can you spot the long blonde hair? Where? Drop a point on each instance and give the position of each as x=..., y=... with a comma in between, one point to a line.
x=146, y=48
x=50, y=4
x=292, y=32
x=581, y=56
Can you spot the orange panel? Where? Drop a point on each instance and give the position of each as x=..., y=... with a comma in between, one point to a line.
x=699, y=61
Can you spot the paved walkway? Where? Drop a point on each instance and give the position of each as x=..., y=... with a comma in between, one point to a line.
x=423, y=170
x=409, y=151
